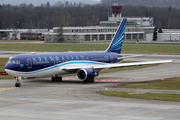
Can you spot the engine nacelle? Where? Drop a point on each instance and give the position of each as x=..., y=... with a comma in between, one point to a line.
x=86, y=74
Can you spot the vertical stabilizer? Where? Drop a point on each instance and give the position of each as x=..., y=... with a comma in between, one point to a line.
x=117, y=41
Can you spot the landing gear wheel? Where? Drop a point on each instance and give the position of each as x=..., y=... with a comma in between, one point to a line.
x=60, y=78
x=89, y=81
x=56, y=78
x=53, y=79
x=17, y=84
x=92, y=80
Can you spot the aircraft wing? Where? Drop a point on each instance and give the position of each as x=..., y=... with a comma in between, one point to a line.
x=99, y=67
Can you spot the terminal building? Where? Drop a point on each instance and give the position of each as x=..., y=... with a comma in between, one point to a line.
x=136, y=29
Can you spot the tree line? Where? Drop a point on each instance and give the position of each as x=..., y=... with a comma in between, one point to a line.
x=88, y=15
x=150, y=3
x=42, y=17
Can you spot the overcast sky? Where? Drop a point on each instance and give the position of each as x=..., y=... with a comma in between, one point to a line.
x=39, y=2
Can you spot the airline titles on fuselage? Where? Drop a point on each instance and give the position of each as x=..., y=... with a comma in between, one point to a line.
x=47, y=59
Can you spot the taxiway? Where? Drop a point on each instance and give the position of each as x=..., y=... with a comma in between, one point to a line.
x=41, y=99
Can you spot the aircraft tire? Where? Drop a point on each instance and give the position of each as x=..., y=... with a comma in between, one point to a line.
x=60, y=78
x=89, y=81
x=56, y=79
x=92, y=80
x=53, y=79
x=19, y=84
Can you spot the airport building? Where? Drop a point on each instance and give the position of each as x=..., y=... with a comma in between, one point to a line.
x=136, y=29
x=168, y=35
x=22, y=34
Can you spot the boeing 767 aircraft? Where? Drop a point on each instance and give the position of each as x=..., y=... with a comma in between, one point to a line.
x=85, y=64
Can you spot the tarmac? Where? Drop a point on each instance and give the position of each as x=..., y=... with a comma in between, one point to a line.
x=71, y=99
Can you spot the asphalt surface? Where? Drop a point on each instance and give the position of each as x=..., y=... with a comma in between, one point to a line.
x=41, y=99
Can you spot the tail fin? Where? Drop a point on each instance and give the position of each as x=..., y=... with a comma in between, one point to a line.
x=117, y=41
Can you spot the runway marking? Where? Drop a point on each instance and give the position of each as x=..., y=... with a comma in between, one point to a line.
x=66, y=107
x=5, y=89
x=10, y=88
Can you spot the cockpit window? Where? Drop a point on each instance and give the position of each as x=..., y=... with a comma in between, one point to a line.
x=13, y=62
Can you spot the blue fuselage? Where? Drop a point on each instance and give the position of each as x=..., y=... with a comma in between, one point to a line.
x=41, y=61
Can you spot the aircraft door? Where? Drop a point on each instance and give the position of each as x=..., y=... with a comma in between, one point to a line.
x=55, y=61
x=111, y=59
x=29, y=63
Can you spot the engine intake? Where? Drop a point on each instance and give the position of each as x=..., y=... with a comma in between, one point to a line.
x=86, y=74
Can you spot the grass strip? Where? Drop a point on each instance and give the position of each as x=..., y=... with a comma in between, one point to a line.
x=166, y=84
x=150, y=96
x=9, y=41
x=62, y=47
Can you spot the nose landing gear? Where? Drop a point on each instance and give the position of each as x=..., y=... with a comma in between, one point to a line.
x=17, y=84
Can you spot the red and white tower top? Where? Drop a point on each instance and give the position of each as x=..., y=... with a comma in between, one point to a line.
x=116, y=9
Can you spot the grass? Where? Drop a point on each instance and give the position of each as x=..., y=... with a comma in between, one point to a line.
x=62, y=47
x=3, y=61
x=19, y=40
x=166, y=84
x=51, y=47
x=150, y=96
x=151, y=49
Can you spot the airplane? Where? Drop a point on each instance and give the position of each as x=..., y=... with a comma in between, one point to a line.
x=86, y=65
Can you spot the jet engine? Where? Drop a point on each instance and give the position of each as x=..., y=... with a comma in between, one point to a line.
x=86, y=74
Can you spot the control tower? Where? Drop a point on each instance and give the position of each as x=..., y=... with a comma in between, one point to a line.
x=115, y=13
x=115, y=17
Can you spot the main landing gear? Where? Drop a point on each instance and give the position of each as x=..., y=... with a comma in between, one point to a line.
x=17, y=84
x=89, y=81
x=56, y=78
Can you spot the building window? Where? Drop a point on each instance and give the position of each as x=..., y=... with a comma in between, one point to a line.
x=101, y=37
x=108, y=37
x=134, y=36
x=141, y=36
x=87, y=38
x=128, y=36
x=94, y=37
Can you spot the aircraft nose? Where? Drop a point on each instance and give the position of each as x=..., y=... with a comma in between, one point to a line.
x=7, y=67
